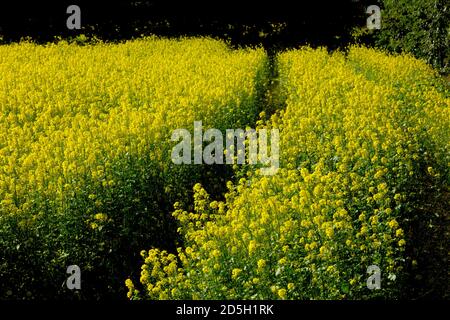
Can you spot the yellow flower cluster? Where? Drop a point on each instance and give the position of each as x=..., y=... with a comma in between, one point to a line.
x=351, y=145
x=80, y=126
x=68, y=111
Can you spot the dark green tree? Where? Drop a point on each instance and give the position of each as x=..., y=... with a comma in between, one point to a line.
x=420, y=27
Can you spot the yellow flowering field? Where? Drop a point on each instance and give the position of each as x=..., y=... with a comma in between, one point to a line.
x=364, y=158
x=87, y=179
x=85, y=170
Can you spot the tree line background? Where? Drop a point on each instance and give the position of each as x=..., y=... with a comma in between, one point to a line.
x=420, y=27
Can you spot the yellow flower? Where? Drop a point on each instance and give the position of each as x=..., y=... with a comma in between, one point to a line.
x=393, y=224
x=100, y=217
x=282, y=293
x=129, y=284
x=329, y=232
x=235, y=273
x=331, y=269
x=364, y=230
x=215, y=253
x=251, y=247
x=261, y=263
